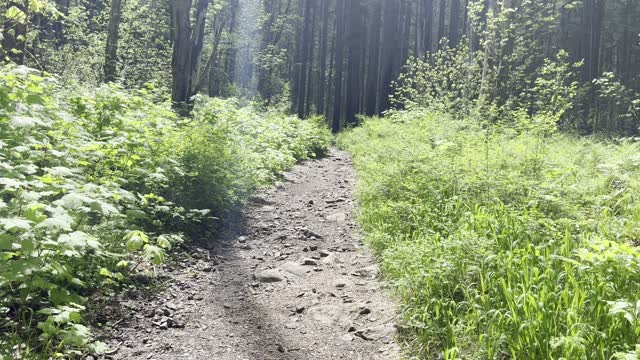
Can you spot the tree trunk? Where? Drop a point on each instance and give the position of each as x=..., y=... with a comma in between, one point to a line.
x=111, y=50
x=341, y=6
x=306, y=40
x=181, y=60
x=441, y=25
x=455, y=23
x=373, y=68
x=356, y=35
x=390, y=50
x=197, y=41
x=311, y=85
x=322, y=58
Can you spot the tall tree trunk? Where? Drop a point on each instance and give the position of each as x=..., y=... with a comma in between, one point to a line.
x=306, y=40
x=428, y=25
x=373, y=68
x=187, y=48
x=311, y=85
x=197, y=43
x=489, y=37
x=341, y=7
x=181, y=60
x=390, y=50
x=322, y=58
x=210, y=69
x=230, y=56
x=356, y=35
x=111, y=49
x=441, y=25
x=596, y=37
x=455, y=23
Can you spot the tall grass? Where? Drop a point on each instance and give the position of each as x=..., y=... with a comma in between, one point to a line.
x=502, y=247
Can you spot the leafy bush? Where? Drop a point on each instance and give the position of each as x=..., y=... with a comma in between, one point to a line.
x=228, y=151
x=452, y=83
x=499, y=250
x=96, y=185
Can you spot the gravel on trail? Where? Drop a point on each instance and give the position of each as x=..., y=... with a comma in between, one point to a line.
x=288, y=278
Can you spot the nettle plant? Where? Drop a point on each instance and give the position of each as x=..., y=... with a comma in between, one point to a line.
x=74, y=214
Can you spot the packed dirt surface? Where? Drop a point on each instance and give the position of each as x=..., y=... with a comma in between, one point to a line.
x=287, y=279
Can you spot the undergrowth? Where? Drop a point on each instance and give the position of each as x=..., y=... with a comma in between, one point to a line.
x=503, y=243
x=97, y=185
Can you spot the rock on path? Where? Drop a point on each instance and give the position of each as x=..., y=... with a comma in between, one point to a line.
x=288, y=280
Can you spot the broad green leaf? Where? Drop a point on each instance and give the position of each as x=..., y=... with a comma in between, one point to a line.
x=12, y=184
x=25, y=122
x=57, y=223
x=15, y=14
x=164, y=242
x=99, y=347
x=154, y=254
x=136, y=240
x=76, y=239
x=15, y=223
x=6, y=241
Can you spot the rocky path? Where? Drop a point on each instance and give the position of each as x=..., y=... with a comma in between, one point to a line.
x=289, y=279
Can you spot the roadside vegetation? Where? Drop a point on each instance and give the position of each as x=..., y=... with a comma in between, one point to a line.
x=99, y=185
x=504, y=238
x=501, y=247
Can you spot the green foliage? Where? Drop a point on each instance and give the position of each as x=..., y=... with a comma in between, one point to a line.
x=497, y=250
x=97, y=184
x=452, y=83
x=448, y=83
x=75, y=51
x=228, y=151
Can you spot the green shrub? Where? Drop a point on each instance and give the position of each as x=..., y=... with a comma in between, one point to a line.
x=228, y=151
x=502, y=243
x=96, y=185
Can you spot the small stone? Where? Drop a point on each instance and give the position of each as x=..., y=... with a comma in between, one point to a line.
x=308, y=262
x=339, y=217
x=178, y=324
x=313, y=247
x=295, y=269
x=364, y=310
x=242, y=239
x=324, y=253
x=269, y=276
x=300, y=309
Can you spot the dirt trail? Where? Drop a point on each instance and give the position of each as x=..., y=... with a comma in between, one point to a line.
x=289, y=279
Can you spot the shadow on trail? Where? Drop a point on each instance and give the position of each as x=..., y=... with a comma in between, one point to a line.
x=237, y=288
